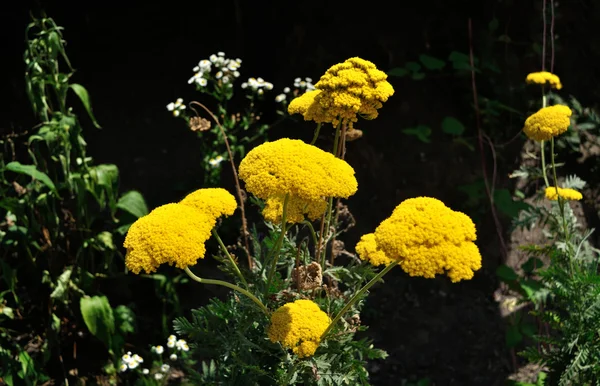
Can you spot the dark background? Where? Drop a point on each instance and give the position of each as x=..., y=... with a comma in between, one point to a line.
x=135, y=57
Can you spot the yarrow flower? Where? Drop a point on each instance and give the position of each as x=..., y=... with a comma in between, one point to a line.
x=548, y=122
x=368, y=250
x=352, y=88
x=429, y=238
x=299, y=326
x=291, y=167
x=213, y=202
x=296, y=209
x=544, y=77
x=308, y=106
x=176, y=107
x=565, y=193
x=172, y=233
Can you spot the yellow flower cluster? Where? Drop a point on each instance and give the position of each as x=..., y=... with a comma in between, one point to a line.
x=310, y=109
x=354, y=87
x=171, y=233
x=566, y=193
x=296, y=209
x=544, y=77
x=176, y=233
x=299, y=326
x=548, y=122
x=368, y=250
x=429, y=238
x=215, y=202
x=304, y=172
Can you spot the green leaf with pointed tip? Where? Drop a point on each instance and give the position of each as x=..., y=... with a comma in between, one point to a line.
x=432, y=63
x=98, y=317
x=133, y=202
x=453, y=126
x=31, y=171
x=85, y=99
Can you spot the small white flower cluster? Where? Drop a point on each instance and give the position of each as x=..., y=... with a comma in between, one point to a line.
x=130, y=362
x=179, y=344
x=301, y=85
x=258, y=85
x=226, y=69
x=214, y=162
x=176, y=107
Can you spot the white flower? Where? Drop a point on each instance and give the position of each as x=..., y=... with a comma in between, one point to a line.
x=269, y=85
x=126, y=358
x=123, y=367
x=213, y=162
x=303, y=84
x=219, y=75
x=297, y=80
x=164, y=368
x=260, y=91
x=185, y=347
x=158, y=349
x=225, y=79
x=220, y=53
x=280, y=98
x=213, y=58
x=260, y=81
x=171, y=344
x=286, y=90
x=158, y=376
x=202, y=82
x=196, y=77
x=205, y=65
x=173, y=357
x=145, y=371
x=138, y=358
x=244, y=85
x=236, y=74
x=182, y=342
x=239, y=61
x=176, y=107
x=308, y=80
x=232, y=66
x=133, y=364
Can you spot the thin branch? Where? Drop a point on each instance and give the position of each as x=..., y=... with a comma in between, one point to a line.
x=481, y=149
x=544, y=35
x=237, y=182
x=552, y=36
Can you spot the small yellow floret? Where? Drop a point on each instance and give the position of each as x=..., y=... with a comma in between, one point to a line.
x=566, y=193
x=310, y=109
x=215, y=202
x=544, y=77
x=172, y=233
x=352, y=88
x=290, y=166
x=299, y=326
x=368, y=250
x=548, y=122
x=296, y=209
x=429, y=238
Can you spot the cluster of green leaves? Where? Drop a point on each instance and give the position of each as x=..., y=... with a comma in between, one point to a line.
x=61, y=217
x=232, y=333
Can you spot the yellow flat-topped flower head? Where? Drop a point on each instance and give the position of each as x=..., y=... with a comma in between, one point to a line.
x=429, y=239
x=565, y=193
x=290, y=166
x=296, y=211
x=548, y=122
x=351, y=89
x=310, y=109
x=214, y=202
x=368, y=250
x=299, y=326
x=544, y=77
x=172, y=233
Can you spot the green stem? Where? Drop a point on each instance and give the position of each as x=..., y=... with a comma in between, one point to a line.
x=561, y=202
x=235, y=266
x=228, y=285
x=278, y=244
x=336, y=139
x=326, y=232
x=313, y=233
x=544, y=172
x=317, y=130
x=358, y=295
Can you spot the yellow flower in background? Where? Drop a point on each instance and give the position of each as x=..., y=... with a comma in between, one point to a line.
x=296, y=210
x=368, y=250
x=565, y=193
x=352, y=88
x=290, y=166
x=429, y=238
x=172, y=233
x=548, y=122
x=310, y=109
x=544, y=77
x=299, y=326
x=215, y=202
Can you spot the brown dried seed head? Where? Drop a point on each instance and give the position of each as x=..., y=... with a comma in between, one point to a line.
x=307, y=277
x=199, y=124
x=353, y=134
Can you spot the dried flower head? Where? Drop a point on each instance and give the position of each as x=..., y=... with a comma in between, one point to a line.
x=299, y=326
x=199, y=124
x=308, y=277
x=429, y=238
x=548, y=122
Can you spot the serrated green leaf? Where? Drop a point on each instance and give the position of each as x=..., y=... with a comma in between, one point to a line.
x=31, y=171
x=453, y=126
x=133, y=202
x=124, y=320
x=83, y=95
x=432, y=63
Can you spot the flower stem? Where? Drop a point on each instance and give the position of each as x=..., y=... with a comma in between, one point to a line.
x=278, y=244
x=317, y=130
x=235, y=266
x=313, y=233
x=544, y=172
x=358, y=295
x=326, y=232
x=228, y=285
x=336, y=139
